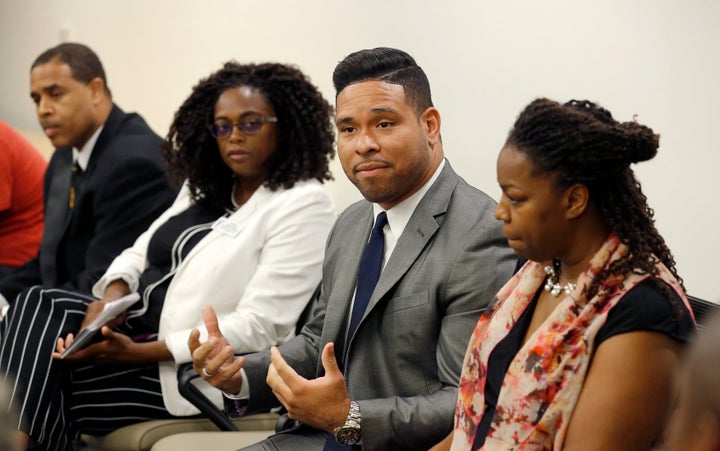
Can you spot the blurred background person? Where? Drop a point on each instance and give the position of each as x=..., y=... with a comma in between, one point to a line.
x=105, y=182
x=22, y=169
x=8, y=435
x=695, y=423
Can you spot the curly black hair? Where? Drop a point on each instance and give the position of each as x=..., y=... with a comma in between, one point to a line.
x=306, y=134
x=580, y=142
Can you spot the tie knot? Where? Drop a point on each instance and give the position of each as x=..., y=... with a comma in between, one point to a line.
x=380, y=221
x=76, y=168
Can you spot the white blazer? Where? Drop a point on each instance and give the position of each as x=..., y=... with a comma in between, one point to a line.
x=258, y=270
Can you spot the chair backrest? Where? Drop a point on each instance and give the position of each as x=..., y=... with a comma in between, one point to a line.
x=702, y=310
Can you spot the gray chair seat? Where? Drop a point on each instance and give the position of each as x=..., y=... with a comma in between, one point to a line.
x=142, y=436
x=225, y=441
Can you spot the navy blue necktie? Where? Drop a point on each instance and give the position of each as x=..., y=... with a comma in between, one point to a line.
x=368, y=275
x=332, y=445
x=369, y=272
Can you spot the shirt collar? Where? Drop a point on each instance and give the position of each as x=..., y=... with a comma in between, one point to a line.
x=399, y=215
x=82, y=156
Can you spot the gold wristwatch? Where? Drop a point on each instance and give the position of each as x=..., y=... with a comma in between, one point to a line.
x=349, y=433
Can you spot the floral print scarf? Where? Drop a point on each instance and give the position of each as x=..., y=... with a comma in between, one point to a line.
x=543, y=382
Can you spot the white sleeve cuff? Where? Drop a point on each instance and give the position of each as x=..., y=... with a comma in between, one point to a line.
x=4, y=306
x=102, y=284
x=244, y=388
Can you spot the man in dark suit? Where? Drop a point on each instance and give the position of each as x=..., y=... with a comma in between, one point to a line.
x=105, y=182
x=383, y=375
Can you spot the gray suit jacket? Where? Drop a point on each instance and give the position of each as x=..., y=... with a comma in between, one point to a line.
x=403, y=364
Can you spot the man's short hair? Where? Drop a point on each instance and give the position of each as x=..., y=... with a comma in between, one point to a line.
x=84, y=63
x=390, y=66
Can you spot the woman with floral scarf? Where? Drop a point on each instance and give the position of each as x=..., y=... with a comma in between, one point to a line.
x=579, y=350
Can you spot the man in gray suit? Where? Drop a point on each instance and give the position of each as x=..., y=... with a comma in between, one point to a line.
x=382, y=376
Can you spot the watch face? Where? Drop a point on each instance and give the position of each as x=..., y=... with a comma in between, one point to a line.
x=347, y=435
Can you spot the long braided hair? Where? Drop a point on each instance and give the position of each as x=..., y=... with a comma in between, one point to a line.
x=305, y=132
x=580, y=142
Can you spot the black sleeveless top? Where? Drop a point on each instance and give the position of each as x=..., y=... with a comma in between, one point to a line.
x=645, y=307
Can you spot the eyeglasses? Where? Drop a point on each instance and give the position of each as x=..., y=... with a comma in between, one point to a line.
x=248, y=126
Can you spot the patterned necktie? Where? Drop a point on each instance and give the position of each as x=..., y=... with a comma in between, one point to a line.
x=369, y=273
x=332, y=445
x=75, y=184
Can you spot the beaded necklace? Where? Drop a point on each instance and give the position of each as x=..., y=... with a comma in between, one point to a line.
x=552, y=283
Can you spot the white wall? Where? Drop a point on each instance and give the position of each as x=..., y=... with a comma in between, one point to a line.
x=485, y=59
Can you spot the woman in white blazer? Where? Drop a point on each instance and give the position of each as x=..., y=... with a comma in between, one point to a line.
x=246, y=234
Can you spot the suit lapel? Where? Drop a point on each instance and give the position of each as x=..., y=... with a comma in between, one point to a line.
x=411, y=243
x=346, y=264
x=57, y=218
x=423, y=224
x=235, y=221
x=56, y=215
x=110, y=129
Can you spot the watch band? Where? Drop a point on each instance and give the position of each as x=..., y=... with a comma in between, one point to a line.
x=350, y=432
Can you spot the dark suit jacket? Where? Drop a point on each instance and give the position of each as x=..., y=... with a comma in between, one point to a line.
x=403, y=364
x=125, y=189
